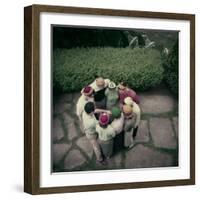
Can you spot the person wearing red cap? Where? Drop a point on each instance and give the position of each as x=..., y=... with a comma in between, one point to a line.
x=106, y=134
x=87, y=96
x=125, y=91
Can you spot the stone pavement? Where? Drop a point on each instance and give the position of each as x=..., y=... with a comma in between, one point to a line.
x=156, y=144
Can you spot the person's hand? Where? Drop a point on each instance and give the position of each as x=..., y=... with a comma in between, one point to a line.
x=108, y=112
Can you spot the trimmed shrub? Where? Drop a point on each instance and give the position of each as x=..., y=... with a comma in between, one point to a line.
x=171, y=69
x=75, y=68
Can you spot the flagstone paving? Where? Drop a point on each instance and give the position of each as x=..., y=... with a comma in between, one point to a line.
x=156, y=144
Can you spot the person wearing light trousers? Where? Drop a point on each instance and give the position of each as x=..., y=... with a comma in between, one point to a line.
x=106, y=134
x=89, y=126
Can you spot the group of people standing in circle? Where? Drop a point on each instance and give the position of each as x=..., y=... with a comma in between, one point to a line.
x=109, y=115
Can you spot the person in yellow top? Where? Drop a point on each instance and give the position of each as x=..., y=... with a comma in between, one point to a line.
x=132, y=116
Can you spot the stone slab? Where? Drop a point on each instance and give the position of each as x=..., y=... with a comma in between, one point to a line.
x=59, y=151
x=71, y=131
x=73, y=160
x=162, y=133
x=118, y=159
x=58, y=132
x=67, y=118
x=86, y=146
x=143, y=132
x=175, y=123
x=145, y=157
x=156, y=104
x=76, y=96
x=60, y=107
x=67, y=97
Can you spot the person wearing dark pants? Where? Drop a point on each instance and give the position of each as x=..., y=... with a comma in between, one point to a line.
x=117, y=124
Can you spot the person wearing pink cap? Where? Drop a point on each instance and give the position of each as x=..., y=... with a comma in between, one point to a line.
x=106, y=134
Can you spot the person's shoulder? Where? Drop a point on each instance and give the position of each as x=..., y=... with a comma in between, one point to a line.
x=131, y=92
x=122, y=116
x=107, y=81
x=93, y=84
x=84, y=115
x=98, y=127
x=110, y=127
x=136, y=106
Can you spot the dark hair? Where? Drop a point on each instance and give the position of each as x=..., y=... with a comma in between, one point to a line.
x=97, y=76
x=103, y=126
x=89, y=107
x=123, y=83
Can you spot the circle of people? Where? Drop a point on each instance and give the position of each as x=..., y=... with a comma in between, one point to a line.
x=109, y=115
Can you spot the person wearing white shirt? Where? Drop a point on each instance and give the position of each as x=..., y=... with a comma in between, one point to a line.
x=87, y=96
x=132, y=117
x=136, y=111
x=89, y=127
x=99, y=86
x=106, y=134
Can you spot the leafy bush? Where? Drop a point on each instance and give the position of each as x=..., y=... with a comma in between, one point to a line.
x=75, y=68
x=171, y=69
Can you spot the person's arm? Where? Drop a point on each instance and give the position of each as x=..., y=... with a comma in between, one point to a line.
x=134, y=96
x=112, y=132
x=107, y=81
x=79, y=109
x=97, y=110
x=137, y=111
x=106, y=92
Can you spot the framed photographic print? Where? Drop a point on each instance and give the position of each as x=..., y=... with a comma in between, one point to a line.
x=109, y=99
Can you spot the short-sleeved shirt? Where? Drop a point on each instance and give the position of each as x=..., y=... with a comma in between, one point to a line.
x=105, y=134
x=128, y=93
x=81, y=104
x=137, y=112
x=129, y=124
x=117, y=124
x=135, y=120
x=89, y=124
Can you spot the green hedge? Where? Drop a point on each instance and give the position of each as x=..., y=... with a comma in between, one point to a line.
x=75, y=68
x=171, y=69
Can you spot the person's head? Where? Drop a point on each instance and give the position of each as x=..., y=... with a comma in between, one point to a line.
x=111, y=85
x=127, y=111
x=116, y=112
x=104, y=120
x=122, y=85
x=89, y=108
x=128, y=101
x=88, y=91
x=100, y=82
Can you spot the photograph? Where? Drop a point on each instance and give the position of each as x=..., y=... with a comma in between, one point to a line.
x=109, y=99
x=115, y=98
